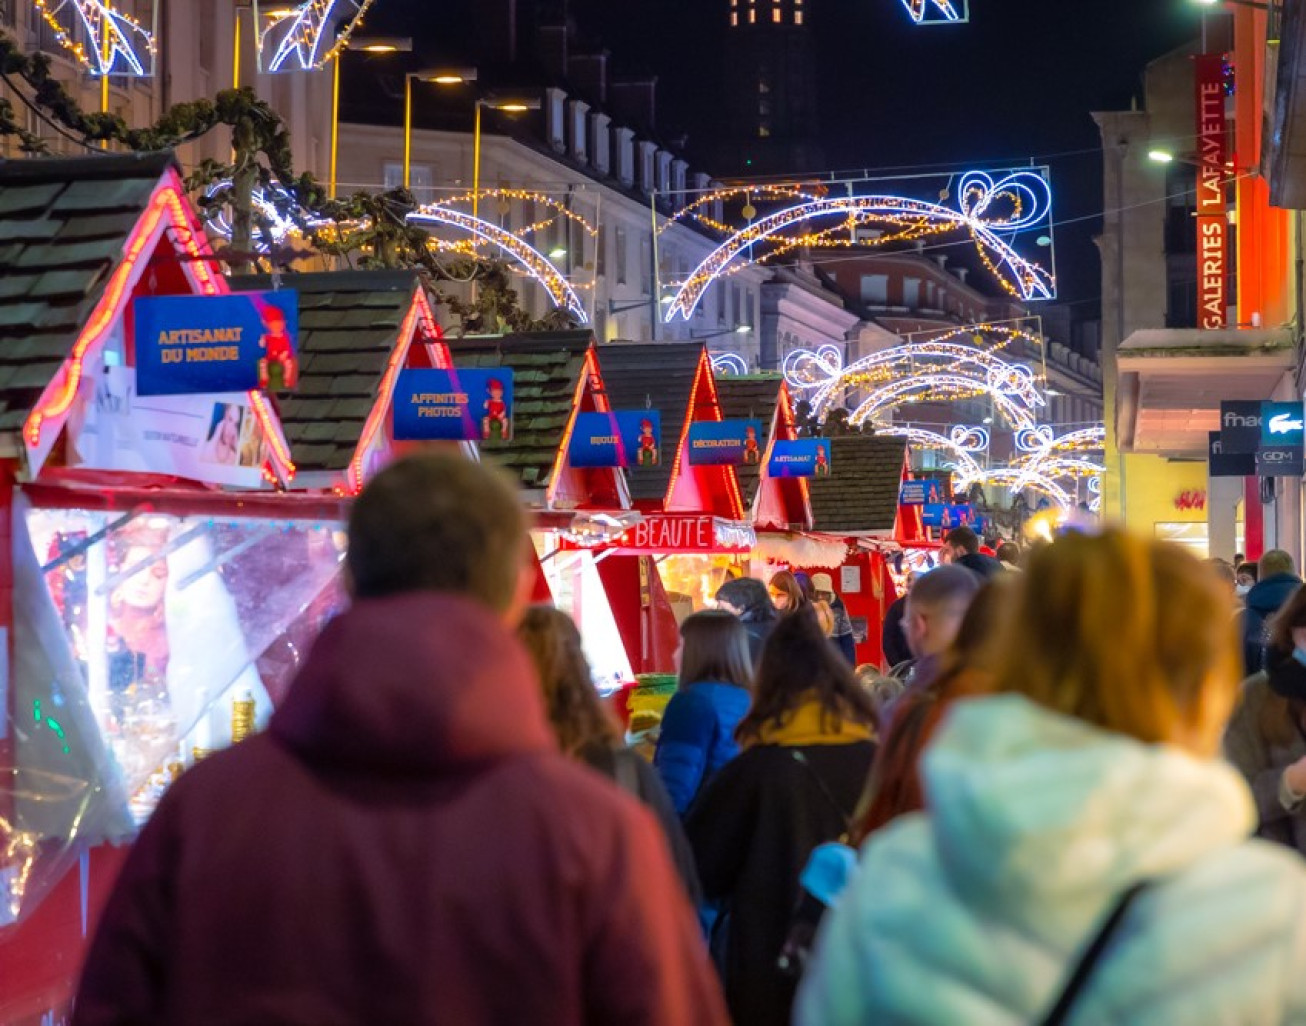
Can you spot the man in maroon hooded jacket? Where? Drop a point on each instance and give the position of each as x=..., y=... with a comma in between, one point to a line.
x=405, y=844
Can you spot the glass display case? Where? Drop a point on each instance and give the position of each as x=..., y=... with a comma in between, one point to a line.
x=142, y=642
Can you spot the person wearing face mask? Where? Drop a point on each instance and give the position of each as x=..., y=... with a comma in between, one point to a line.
x=1266, y=737
x=1247, y=573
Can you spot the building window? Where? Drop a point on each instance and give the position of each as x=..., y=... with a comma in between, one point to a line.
x=421, y=179
x=646, y=266
x=911, y=293
x=620, y=242
x=752, y=16
x=734, y=19
x=798, y=17
x=776, y=15
x=764, y=131
x=875, y=289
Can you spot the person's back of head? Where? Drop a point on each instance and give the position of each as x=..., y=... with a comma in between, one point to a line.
x=747, y=598
x=714, y=649
x=441, y=523
x=575, y=711
x=1129, y=634
x=1009, y=553
x=935, y=607
x=799, y=665
x=976, y=647
x=1275, y=563
x=963, y=541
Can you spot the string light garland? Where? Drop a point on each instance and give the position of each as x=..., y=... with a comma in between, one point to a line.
x=116, y=43
x=993, y=213
x=307, y=36
x=539, y=199
x=533, y=262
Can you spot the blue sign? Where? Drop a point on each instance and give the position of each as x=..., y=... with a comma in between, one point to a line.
x=807, y=457
x=1282, y=424
x=919, y=493
x=946, y=516
x=623, y=438
x=725, y=443
x=196, y=345
x=453, y=405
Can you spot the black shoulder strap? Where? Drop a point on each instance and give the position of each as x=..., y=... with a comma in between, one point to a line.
x=801, y=759
x=1092, y=955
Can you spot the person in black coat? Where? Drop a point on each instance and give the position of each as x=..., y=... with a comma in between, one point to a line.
x=749, y=599
x=586, y=731
x=808, y=744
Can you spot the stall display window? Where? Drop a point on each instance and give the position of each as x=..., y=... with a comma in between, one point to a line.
x=578, y=591
x=692, y=581
x=173, y=636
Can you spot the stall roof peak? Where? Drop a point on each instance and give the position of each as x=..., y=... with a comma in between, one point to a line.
x=64, y=224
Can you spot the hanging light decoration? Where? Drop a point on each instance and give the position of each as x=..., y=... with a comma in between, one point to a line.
x=115, y=42
x=304, y=36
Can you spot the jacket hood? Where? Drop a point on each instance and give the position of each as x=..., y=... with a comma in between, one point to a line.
x=1039, y=813
x=1269, y=595
x=978, y=562
x=415, y=683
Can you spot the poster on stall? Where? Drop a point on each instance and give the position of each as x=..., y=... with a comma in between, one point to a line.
x=216, y=439
x=924, y=492
x=806, y=457
x=946, y=516
x=622, y=438
x=453, y=405
x=725, y=443
x=188, y=345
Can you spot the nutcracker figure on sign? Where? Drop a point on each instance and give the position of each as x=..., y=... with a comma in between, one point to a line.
x=277, y=369
x=648, y=445
x=822, y=462
x=496, y=426
x=752, y=451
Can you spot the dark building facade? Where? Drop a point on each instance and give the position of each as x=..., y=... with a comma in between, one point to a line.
x=770, y=94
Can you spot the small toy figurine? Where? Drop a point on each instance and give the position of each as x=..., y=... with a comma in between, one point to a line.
x=822, y=462
x=496, y=426
x=648, y=445
x=277, y=368
x=752, y=451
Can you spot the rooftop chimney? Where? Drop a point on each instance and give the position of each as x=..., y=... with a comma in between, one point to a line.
x=589, y=76
x=496, y=25
x=551, y=48
x=635, y=102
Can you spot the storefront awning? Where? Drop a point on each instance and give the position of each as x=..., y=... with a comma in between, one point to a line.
x=1173, y=380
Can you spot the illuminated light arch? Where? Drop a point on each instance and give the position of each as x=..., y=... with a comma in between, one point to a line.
x=939, y=387
x=559, y=208
x=937, y=12
x=533, y=262
x=1019, y=480
x=964, y=464
x=1025, y=195
x=307, y=36
x=116, y=43
x=730, y=364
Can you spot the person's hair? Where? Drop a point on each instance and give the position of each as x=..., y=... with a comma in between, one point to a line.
x=1126, y=633
x=1276, y=561
x=1224, y=573
x=576, y=713
x=798, y=663
x=975, y=647
x=944, y=585
x=1009, y=552
x=787, y=583
x=435, y=522
x=1292, y=614
x=1250, y=569
x=824, y=616
x=806, y=586
x=750, y=597
x=963, y=538
x=715, y=648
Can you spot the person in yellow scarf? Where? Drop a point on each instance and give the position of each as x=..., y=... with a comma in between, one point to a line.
x=808, y=742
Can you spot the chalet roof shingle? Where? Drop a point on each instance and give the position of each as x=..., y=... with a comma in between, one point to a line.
x=750, y=397
x=63, y=227
x=547, y=369
x=861, y=493
x=348, y=327
x=658, y=375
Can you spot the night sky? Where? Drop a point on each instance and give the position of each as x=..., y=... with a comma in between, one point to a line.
x=1017, y=82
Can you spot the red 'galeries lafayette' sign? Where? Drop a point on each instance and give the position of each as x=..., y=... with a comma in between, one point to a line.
x=1212, y=220
x=672, y=534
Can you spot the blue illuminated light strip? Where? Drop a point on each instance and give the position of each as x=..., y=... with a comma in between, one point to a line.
x=116, y=43
x=308, y=36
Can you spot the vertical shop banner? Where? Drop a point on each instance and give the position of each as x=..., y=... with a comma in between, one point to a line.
x=195, y=345
x=725, y=443
x=806, y=457
x=453, y=405
x=623, y=438
x=1212, y=173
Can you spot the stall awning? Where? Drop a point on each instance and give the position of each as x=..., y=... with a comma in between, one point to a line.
x=1173, y=380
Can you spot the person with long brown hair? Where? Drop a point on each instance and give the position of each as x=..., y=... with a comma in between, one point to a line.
x=698, y=727
x=807, y=747
x=1266, y=739
x=786, y=593
x=587, y=732
x=1084, y=854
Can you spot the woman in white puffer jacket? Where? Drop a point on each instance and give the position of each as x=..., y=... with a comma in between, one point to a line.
x=1094, y=769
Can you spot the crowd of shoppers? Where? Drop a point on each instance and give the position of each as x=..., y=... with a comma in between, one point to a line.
x=443, y=823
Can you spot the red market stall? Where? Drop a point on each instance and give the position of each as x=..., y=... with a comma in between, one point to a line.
x=166, y=558
x=694, y=534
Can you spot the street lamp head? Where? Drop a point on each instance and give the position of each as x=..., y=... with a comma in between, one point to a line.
x=557, y=253
x=445, y=76
x=744, y=329
x=381, y=44
x=1159, y=156
x=511, y=104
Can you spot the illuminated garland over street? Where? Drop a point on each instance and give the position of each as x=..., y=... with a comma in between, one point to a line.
x=933, y=12
x=308, y=36
x=992, y=213
x=729, y=365
x=532, y=261
x=116, y=43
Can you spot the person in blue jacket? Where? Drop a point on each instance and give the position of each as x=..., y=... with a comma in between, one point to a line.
x=698, y=727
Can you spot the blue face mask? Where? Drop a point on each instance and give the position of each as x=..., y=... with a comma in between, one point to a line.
x=1242, y=589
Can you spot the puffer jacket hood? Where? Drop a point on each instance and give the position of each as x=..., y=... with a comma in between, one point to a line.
x=975, y=911
x=1268, y=596
x=415, y=684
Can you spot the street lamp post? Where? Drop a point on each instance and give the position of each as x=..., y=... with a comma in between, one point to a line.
x=436, y=76
x=513, y=105
x=373, y=45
